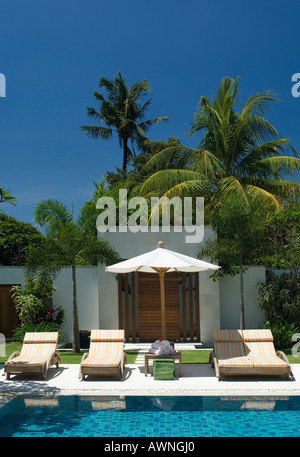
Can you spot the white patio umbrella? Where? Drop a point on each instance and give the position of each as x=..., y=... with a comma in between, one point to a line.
x=161, y=261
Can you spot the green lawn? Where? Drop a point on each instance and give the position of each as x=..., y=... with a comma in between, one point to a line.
x=188, y=356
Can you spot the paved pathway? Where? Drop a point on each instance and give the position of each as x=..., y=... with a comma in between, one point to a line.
x=197, y=379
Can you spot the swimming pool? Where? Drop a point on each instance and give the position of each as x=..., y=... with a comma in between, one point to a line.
x=149, y=416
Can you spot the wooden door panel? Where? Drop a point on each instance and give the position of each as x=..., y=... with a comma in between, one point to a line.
x=150, y=306
x=8, y=314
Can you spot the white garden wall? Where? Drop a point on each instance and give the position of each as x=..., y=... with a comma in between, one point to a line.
x=87, y=297
x=230, y=299
x=87, y=291
x=98, y=291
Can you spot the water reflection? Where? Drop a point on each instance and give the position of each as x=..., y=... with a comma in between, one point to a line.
x=91, y=415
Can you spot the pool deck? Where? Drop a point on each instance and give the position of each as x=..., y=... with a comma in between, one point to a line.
x=197, y=379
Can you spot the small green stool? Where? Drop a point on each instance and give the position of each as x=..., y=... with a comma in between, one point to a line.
x=164, y=368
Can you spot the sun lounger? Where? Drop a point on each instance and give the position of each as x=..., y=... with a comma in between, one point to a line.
x=247, y=352
x=261, y=352
x=229, y=356
x=106, y=355
x=38, y=353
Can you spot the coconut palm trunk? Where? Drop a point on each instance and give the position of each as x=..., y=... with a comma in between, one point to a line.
x=242, y=307
x=76, y=336
x=125, y=154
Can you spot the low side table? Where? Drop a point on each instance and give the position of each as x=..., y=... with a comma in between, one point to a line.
x=150, y=356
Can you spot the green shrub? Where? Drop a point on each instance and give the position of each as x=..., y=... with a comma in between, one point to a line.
x=34, y=303
x=28, y=306
x=282, y=334
x=41, y=327
x=280, y=298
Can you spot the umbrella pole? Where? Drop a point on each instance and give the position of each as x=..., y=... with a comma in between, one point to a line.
x=162, y=272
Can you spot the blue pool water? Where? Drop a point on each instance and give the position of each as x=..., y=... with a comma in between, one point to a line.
x=147, y=416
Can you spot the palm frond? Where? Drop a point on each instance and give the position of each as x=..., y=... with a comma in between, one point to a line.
x=207, y=164
x=48, y=210
x=192, y=188
x=137, y=89
x=143, y=108
x=232, y=186
x=95, y=131
x=172, y=154
x=5, y=197
x=92, y=113
x=162, y=181
x=225, y=98
x=280, y=166
x=267, y=199
x=273, y=183
x=262, y=151
x=99, y=97
x=259, y=103
x=108, y=84
x=281, y=188
x=145, y=125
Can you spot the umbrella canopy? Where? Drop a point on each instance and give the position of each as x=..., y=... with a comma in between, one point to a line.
x=161, y=261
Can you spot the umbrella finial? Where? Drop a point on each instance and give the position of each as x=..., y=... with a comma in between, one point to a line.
x=160, y=244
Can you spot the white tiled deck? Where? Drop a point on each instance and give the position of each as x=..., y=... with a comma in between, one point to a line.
x=197, y=379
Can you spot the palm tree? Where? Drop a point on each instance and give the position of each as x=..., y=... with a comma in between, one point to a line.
x=123, y=113
x=68, y=243
x=241, y=239
x=240, y=153
x=5, y=197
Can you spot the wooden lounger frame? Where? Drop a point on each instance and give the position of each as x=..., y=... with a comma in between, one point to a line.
x=108, y=336
x=102, y=371
x=249, y=370
x=53, y=359
x=40, y=368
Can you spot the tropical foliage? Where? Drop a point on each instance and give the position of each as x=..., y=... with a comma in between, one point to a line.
x=29, y=308
x=123, y=112
x=5, y=197
x=244, y=169
x=34, y=305
x=279, y=298
x=240, y=153
x=283, y=334
x=16, y=238
x=283, y=230
x=134, y=178
x=69, y=243
x=131, y=181
x=240, y=238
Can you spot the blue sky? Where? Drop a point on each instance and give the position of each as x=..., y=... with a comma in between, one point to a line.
x=52, y=54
